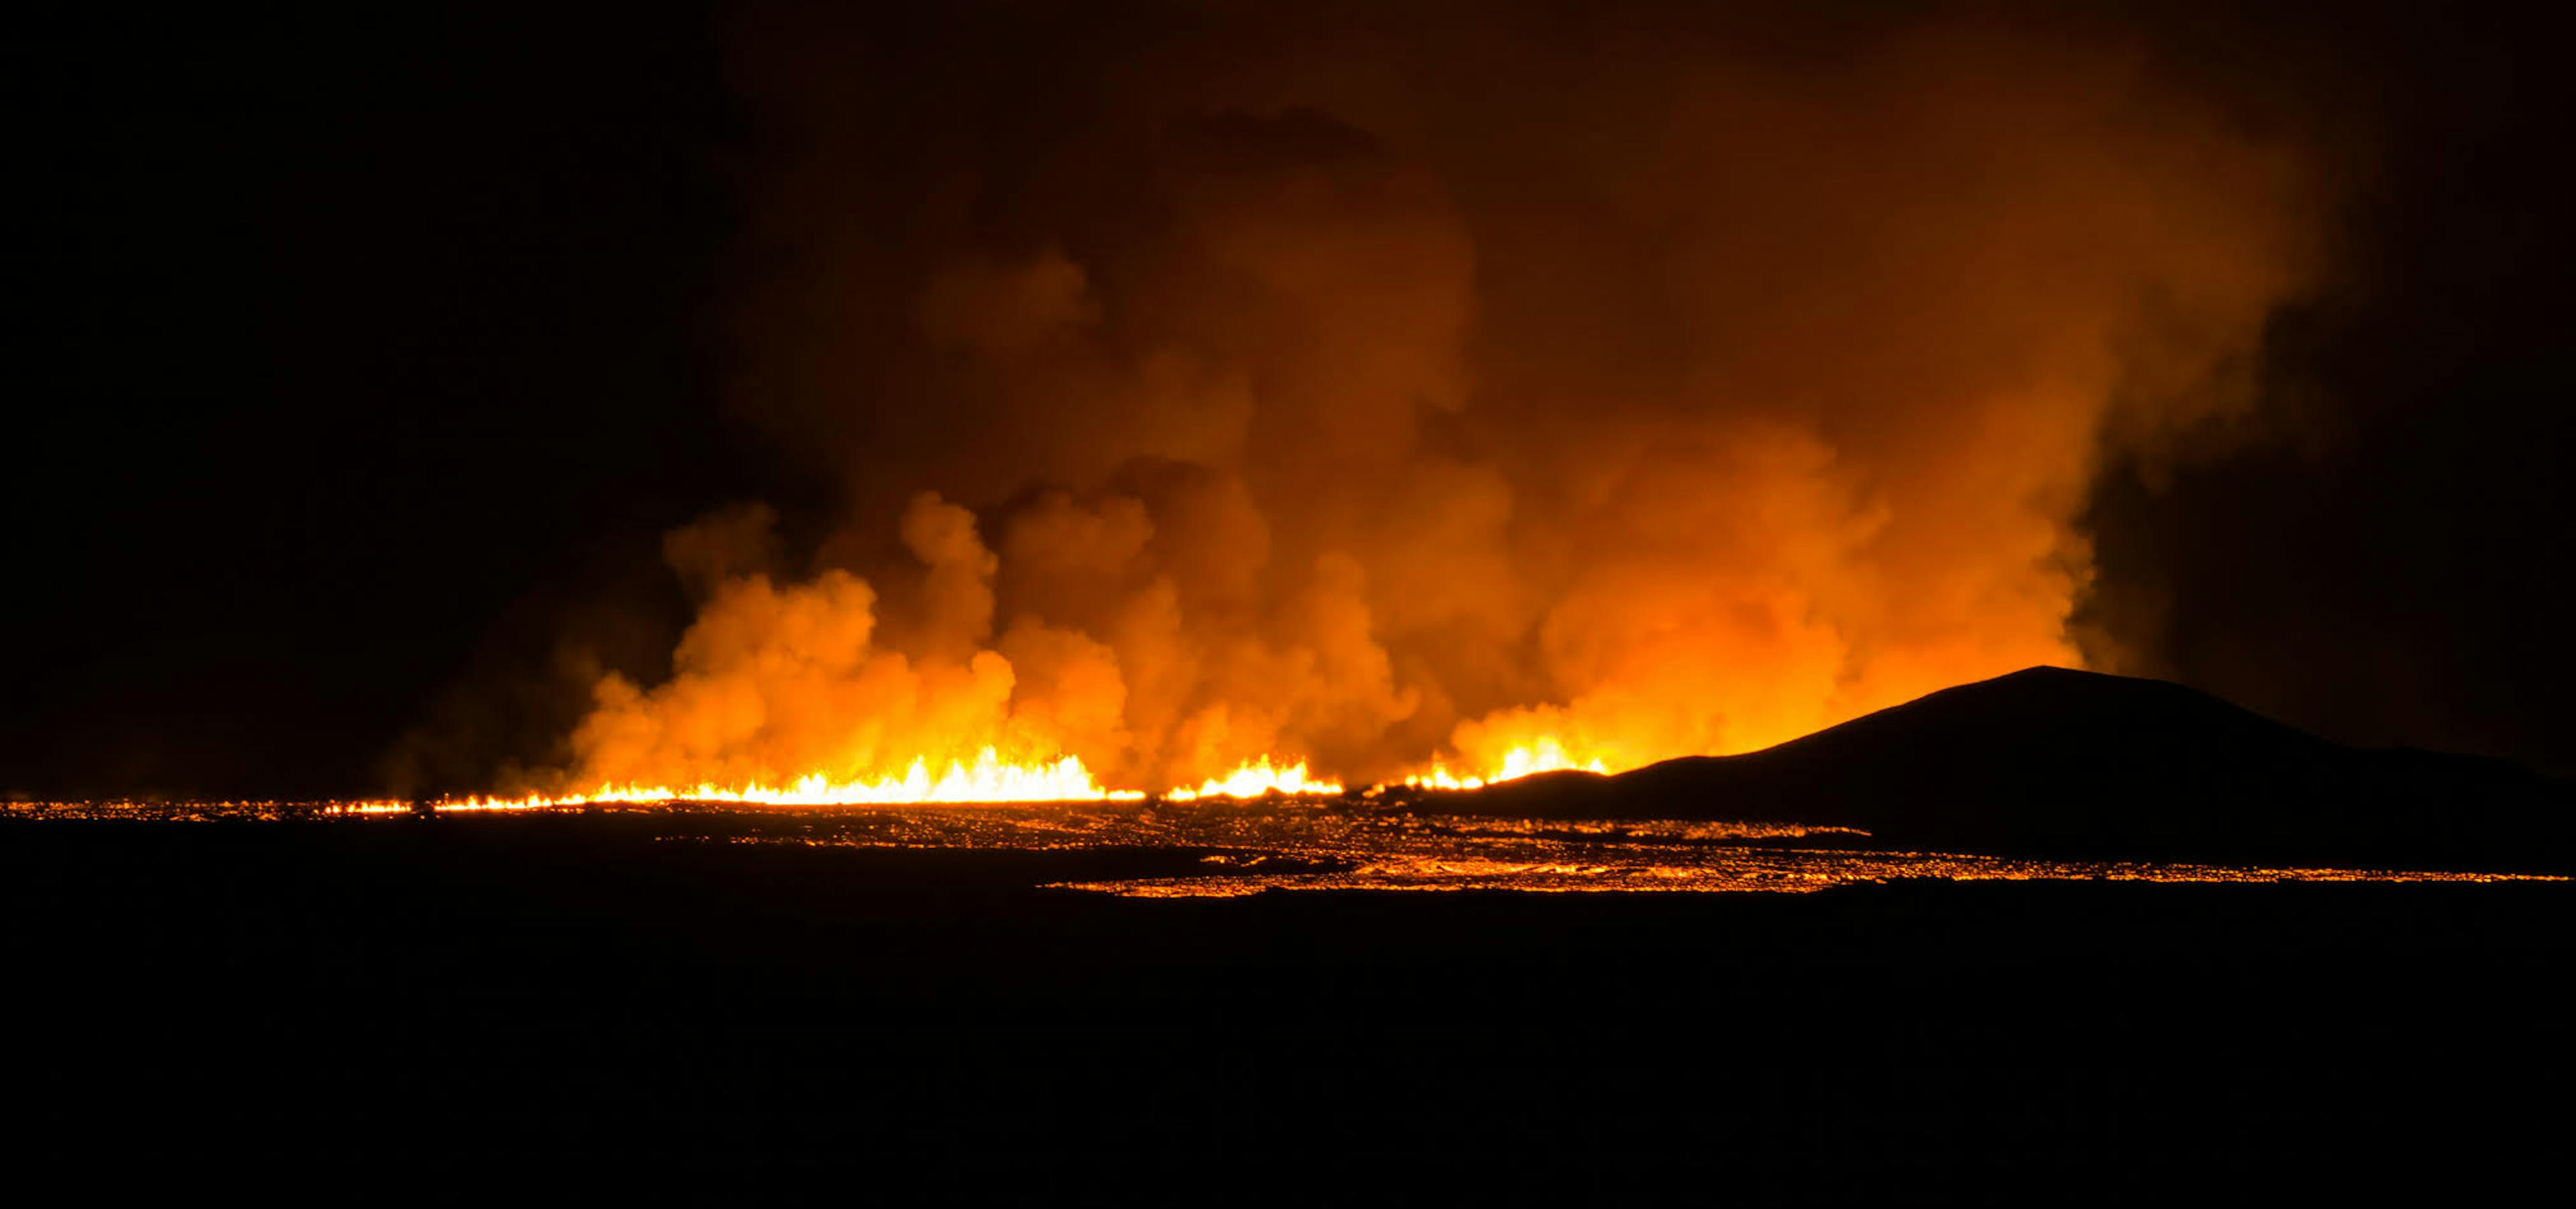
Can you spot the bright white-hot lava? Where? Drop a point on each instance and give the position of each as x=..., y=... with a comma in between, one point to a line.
x=1255, y=779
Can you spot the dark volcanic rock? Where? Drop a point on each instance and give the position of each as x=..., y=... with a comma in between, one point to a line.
x=2047, y=761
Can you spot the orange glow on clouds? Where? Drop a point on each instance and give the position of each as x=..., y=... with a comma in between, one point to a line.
x=1267, y=435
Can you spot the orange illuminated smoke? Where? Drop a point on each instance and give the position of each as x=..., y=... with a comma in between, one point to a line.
x=1253, y=431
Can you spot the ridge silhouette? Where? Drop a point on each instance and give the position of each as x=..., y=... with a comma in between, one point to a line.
x=2052, y=762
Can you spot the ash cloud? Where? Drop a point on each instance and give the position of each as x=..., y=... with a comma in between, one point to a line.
x=1203, y=384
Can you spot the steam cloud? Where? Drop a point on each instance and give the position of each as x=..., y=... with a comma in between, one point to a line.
x=1204, y=385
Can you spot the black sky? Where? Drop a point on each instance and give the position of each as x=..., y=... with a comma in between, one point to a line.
x=359, y=354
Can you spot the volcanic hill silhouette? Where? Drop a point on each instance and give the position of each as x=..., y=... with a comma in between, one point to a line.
x=2051, y=762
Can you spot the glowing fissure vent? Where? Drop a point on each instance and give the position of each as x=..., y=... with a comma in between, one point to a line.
x=990, y=779
x=1545, y=755
x=1256, y=779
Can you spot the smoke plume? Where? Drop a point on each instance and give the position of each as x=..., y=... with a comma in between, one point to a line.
x=1208, y=384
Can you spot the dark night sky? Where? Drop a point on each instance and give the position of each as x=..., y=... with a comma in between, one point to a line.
x=359, y=355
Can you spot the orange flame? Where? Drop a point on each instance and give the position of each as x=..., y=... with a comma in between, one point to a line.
x=990, y=779
x=1256, y=779
x=1541, y=755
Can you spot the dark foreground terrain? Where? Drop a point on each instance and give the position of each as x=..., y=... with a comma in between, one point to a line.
x=2053, y=762
x=422, y=1001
